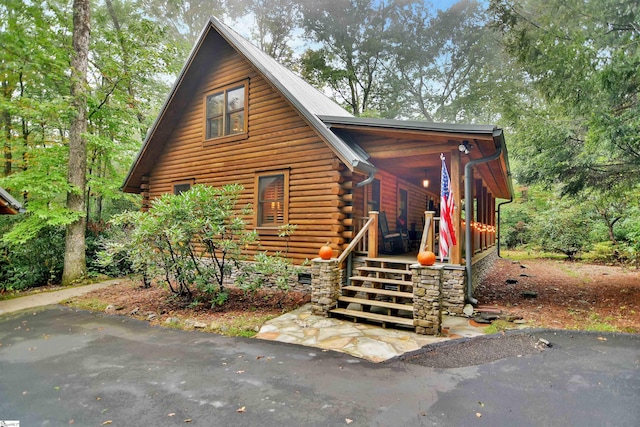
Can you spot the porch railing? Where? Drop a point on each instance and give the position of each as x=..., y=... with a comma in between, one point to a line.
x=366, y=240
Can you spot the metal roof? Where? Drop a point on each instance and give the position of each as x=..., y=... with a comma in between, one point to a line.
x=306, y=99
x=309, y=101
x=409, y=125
x=7, y=201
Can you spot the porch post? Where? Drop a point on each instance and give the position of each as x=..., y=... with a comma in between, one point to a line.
x=456, y=179
x=427, y=241
x=372, y=237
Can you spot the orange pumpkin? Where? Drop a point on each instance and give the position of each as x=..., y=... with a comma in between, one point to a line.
x=326, y=252
x=426, y=258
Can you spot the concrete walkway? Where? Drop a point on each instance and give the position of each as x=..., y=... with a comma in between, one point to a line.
x=366, y=341
x=48, y=298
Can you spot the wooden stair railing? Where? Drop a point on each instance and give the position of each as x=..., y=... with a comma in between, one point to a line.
x=369, y=229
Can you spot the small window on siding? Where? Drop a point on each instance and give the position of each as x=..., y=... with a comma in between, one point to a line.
x=225, y=111
x=181, y=188
x=272, y=199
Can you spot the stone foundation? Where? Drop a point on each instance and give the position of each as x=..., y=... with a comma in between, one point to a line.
x=482, y=267
x=427, y=298
x=453, y=290
x=325, y=285
x=270, y=282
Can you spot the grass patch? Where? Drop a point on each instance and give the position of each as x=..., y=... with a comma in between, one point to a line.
x=498, y=326
x=246, y=325
x=520, y=255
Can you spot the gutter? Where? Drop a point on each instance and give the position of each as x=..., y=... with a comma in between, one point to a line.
x=468, y=205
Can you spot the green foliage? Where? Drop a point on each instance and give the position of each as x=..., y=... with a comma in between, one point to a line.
x=603, y=226
x=36, y=263
x=189, y=240
x=562, y=227
x=275, y=270
x=580, y=126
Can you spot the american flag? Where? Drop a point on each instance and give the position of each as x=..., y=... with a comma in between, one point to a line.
x=447, y=232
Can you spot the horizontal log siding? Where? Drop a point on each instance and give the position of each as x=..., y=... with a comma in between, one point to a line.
x=389, y=199
x=278, y=138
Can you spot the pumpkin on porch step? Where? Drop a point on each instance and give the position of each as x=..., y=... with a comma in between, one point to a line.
x=426, y=258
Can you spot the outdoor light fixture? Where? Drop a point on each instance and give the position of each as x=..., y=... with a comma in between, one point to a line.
x=425, y=181
x=465, y=147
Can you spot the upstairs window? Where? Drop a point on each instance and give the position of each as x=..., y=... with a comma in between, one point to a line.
x=272, y=199
x=225, y=112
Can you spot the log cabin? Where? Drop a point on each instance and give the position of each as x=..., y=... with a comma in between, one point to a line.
x=9, y=205
x=235, y=115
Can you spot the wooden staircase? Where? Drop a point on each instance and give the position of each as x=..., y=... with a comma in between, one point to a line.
x=380, y=291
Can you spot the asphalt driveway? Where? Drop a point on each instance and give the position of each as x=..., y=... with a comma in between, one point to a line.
x=61, y=367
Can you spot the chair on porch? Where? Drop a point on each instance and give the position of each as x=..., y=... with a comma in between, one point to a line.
x=392, y=242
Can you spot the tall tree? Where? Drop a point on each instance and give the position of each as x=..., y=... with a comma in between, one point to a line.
x=447, y=63
x=74, y=256
x=351, y=61
x=583, y=59
x=275, y=23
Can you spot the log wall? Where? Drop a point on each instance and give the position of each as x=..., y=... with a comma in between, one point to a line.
x=277, y=138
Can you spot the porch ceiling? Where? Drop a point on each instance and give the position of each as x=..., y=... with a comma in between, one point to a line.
x=414, y=154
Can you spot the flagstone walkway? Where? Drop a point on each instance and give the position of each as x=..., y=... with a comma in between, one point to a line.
x=366, y=341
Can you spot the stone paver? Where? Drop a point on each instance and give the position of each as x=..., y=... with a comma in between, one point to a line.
x=362, y=340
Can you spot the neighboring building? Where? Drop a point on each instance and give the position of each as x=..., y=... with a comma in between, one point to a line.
x=235, y=115
x=9, y=205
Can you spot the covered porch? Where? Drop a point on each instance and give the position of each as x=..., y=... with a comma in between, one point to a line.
x=396, y=213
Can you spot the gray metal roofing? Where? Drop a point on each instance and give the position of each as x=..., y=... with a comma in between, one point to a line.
x=13, y=203
x=309, y=101
x=410, y=125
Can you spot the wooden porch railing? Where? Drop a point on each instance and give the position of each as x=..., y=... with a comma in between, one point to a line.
x=366, y=240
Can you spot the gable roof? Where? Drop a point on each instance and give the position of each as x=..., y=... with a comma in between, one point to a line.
x=9, y=205
x=307, y=100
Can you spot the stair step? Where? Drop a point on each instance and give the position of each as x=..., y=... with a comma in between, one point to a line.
x=391, y=260
x=384, y=270
x=372, y=302
x=381, y=280
x=379, y=291
x=373, y=316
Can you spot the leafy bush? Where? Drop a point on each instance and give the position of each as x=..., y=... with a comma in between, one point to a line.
x=562, y=228
x=602, y=252
x=191, y=240
x=36, y=262
x=275, y=270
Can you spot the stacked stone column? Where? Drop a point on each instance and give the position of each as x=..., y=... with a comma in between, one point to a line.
x=427, y=299
x=453, y=291
x=325, y=285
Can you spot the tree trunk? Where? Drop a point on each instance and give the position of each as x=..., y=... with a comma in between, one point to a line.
x=74, y=252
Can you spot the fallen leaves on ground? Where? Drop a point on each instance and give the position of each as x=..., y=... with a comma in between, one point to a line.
x=570, y=295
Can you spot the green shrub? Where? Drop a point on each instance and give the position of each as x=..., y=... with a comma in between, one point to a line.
x=602, y=252
x=36, y=262
x=188, y=241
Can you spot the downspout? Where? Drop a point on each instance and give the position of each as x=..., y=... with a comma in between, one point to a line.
x=468, y=204
x=500, y=225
